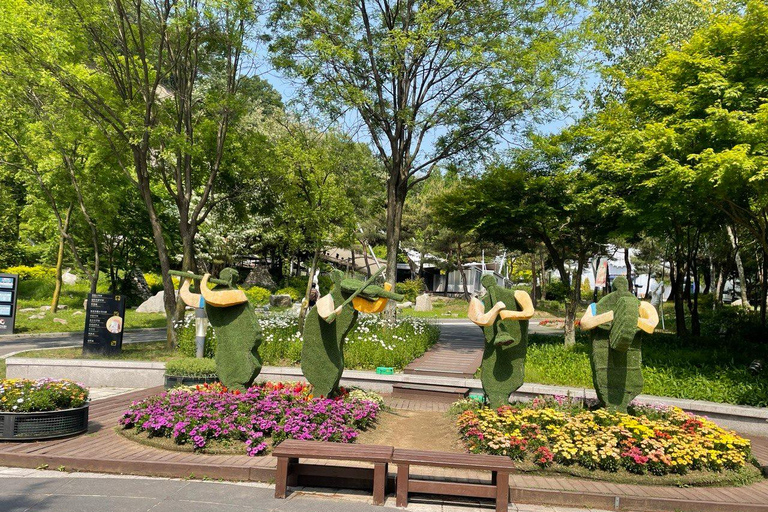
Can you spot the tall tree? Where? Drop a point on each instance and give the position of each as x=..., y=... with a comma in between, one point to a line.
x=431, y=81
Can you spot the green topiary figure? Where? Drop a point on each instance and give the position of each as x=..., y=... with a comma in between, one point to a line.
x=616, y=358
x=503, y=315
x=322, y=356
x=238, y=334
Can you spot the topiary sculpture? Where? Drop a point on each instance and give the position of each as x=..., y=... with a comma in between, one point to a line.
x=616, y=358
x=328, y=323
x=503, y=315
x=322, y=356
x=234, y=323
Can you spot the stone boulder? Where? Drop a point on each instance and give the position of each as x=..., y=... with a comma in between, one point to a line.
x=404, y=305
x=68, y=278
x=38, y=316
x=153, y=304
x=60, y=321
x=260, y=276
x=136, y=287
x=423, y=303
x=280, y=301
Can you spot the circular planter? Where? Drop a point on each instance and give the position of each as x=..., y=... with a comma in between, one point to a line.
x=172, y=381
x=22, y=426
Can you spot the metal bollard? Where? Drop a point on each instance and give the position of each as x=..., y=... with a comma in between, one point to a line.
x=201, y=329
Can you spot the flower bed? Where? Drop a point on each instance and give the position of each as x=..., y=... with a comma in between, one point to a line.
x=368, y=345
x=657, y=441
x=42, y=409
x=207, y=414
x=22, y=395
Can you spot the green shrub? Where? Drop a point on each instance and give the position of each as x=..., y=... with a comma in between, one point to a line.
x=185, y=339
x=300, y=283
x=154, y=281
x=557, y=291
x=411, y=288
x=257, y=295
x=37, y=272
x=191, y=367
x=293, y=292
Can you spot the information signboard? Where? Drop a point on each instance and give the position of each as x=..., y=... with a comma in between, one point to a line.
x=9, y=284
x=104, y=320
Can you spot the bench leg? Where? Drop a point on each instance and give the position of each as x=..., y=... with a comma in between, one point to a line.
x=502, y=491
x=281, y=477
x=403, y=474
x=380, y=483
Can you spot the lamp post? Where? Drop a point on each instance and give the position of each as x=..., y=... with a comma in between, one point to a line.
x=201, y=328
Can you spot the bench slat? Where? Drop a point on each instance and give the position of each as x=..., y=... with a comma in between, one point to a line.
x=333, y=451
x=453, y=460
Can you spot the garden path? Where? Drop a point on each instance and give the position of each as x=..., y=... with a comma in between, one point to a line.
x=104, y=450
x=458, y=353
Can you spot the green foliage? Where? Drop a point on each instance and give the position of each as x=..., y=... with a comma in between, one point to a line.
x=289, y=290
x=300, y=283
x=257, y=296
x=185, y=339
x=154, y=281
x=557, y=290
x=191, y=367
x=38, y=272
x=411, y=288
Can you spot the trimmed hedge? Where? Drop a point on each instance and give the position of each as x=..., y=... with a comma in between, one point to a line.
x=191, y=366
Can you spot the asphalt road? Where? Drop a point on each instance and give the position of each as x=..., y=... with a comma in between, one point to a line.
x=17, y=343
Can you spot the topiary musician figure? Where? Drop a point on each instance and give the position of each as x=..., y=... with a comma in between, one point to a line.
x=616, y=357
x=238, y=334
x=503, y=315
x=328, y=323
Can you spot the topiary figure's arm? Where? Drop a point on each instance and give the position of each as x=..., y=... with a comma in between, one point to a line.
x=477, y=314
x=526, y=307
x=591, y=319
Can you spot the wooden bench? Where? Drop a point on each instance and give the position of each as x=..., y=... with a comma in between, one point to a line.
x=499, y=466
x=289, y=469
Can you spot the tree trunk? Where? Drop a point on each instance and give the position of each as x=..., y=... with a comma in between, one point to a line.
x=648, y=281
x=694, y=306
x=396, y=192
x=739, y=267
x=365, y=258
x=628, y=265
x=533, y=280
x=763, y=291
x=169, y=295
x=60, y=262
x=188, y=263
x=305, y=302
x=571, y=305
x=677, y=276
x=463, y=274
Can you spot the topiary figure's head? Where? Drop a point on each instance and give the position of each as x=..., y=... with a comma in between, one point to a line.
x=231, y=275
x=488, y=281
x=620, y=284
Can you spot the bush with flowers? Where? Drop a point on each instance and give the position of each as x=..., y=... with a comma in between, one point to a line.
x=370, y=344
x=653, y=440
x=22, y=395
x=202, y=415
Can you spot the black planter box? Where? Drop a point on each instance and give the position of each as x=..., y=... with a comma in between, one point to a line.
x=172, y=381
x=36, y=426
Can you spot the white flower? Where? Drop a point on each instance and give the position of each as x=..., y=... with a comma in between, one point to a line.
x=20, y=400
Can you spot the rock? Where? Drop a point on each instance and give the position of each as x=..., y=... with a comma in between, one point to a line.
x=62, y=307
x=27, y=310
x=280, y=301
x=296, y=308
x=77, y=313
x=45, y=308
x=38, y=316
x=60, y=321
x=85, y=304
x=423, y=303
x=403, y=305
x=68, y=278
x=737, y=302
x=153, y=304
x=260, y=276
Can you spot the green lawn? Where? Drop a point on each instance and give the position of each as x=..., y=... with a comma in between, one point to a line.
x=76, y=322
x=152, y=351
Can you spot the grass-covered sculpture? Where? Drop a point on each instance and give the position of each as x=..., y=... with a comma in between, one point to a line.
x=503, y=315
x=616, y=358
x=328, y=323
x=238, y=333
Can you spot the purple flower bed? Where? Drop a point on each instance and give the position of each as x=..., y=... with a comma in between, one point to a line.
x=277, y=411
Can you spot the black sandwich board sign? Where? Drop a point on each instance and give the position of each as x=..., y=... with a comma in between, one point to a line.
x=9, y=287
x=104, y=320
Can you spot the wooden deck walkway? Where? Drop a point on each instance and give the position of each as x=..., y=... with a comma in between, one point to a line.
x=102, y=449
x=458, y=353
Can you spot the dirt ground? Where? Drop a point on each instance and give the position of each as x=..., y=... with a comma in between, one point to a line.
x=417, y=430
